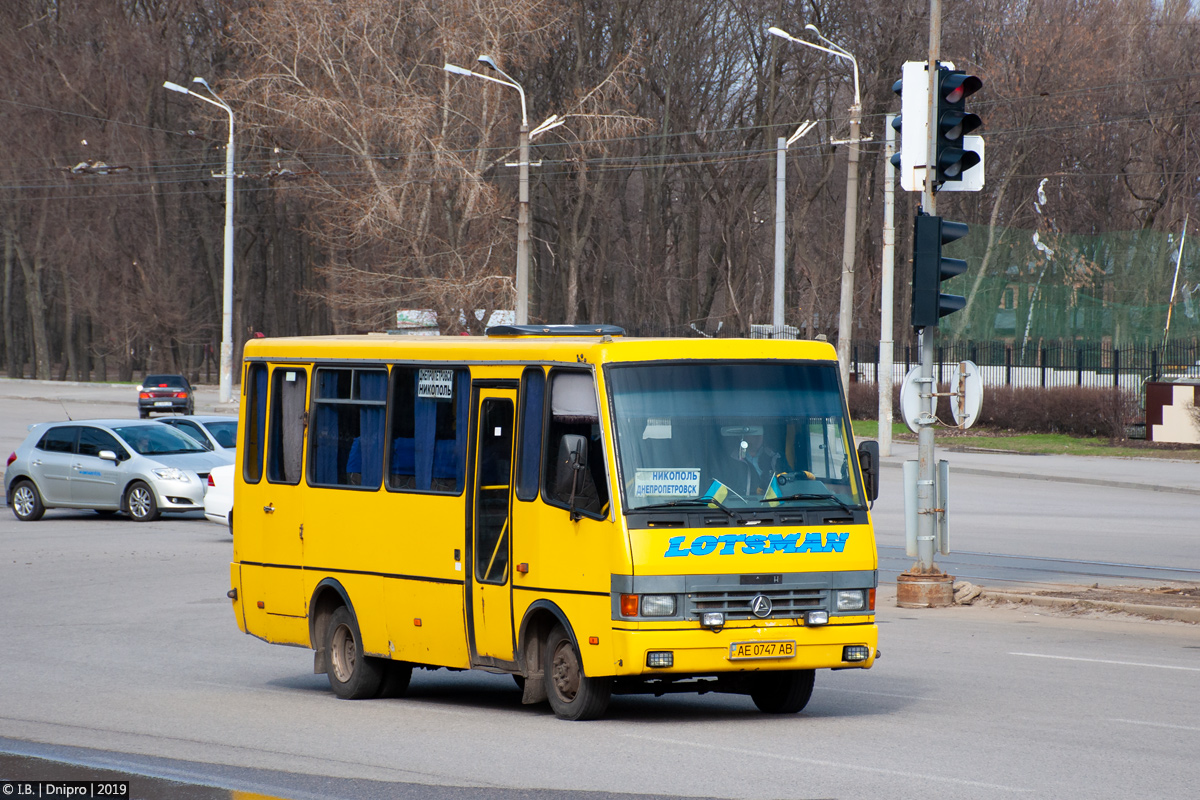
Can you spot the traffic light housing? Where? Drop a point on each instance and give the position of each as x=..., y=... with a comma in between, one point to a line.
x=954, y=122
x=929, y=305
x=912, y=124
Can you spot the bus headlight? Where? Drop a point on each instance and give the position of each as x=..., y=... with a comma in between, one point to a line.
x=658, y=605
x=851, y=600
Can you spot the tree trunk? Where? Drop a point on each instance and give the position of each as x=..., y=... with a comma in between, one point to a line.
x=35, y=301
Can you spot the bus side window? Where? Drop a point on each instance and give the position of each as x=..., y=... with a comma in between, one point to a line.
x=289, y=389
x=347, y=439
x=256, y=422
x=427, y=441
x=573, y=411
x=529, y=443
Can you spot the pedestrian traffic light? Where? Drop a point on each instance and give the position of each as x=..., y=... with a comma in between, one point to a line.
x=954, y=122
x=929, y=269
x=912, y=124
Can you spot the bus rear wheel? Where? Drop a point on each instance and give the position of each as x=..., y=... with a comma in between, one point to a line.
x=353, y=675
x=572, y=694
x=785, y=692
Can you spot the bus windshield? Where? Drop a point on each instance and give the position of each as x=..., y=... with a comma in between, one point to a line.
x=741, y=436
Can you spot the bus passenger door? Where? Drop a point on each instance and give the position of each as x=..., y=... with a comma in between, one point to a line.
x=281, y=495
x=490, y=545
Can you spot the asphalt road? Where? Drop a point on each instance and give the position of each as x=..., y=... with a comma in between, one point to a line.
x=120, y=651
x=118, y=639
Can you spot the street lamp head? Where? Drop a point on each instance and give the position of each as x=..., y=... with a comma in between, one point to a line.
x=487, y=60
x=780, y=32
x=455, y=69
x=813, y=28
x=202, y=82
x=175, y=87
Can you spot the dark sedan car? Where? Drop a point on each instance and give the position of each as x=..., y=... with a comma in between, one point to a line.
x=161, y=394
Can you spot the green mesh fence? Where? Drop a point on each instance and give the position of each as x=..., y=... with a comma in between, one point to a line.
x=1112, y=287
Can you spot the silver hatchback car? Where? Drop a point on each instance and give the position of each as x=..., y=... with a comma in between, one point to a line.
x=140, y=467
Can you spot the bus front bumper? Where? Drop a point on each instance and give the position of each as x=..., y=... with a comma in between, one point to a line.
x=744, y=649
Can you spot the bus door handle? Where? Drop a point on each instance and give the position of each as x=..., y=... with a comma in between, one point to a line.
x=269, y=509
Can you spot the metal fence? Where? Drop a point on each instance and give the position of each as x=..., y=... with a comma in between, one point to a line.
x=1046, y=365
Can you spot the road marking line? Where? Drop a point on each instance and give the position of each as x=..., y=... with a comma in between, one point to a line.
x=819, y=762
x=1106, y=661
x=1156, y=724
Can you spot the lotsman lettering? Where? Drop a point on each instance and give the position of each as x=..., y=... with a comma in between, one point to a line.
x=836, y=542
x=812, y=544
x=729, y=540
x=674, y=550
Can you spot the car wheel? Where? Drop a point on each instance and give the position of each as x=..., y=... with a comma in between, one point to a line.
x=353, y=675
x=140, y=503
x=572, y=694
x=26, y=502
x=143, y=413
x=785, y=692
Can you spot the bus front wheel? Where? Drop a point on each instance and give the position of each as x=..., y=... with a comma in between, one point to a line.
x=785, y=692
x=572, y=694
x=353, y=675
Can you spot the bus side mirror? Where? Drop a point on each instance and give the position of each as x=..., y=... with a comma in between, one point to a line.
x=572, y=461
x=868, y=460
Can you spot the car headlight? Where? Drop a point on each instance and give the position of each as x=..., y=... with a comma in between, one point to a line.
x=851, y=600
x=172, y=474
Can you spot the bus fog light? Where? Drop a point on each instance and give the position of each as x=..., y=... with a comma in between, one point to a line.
x=850, y=600
x=658, y=605
x=855, y=652
x=712, y=619
x=660, y=658
x=816, y=618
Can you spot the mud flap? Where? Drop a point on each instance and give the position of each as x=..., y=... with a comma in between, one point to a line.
x=535, y=688
x=319, y=665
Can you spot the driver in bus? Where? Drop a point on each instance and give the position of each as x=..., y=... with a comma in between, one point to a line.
x=750, y=464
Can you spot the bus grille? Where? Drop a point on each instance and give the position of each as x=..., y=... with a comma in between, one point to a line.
x=785, y=603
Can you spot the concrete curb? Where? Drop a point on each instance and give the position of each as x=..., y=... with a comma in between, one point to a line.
x=1037, y=476
x=1138, y=609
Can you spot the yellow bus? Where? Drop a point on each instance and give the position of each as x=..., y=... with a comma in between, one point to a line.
x=588, y=512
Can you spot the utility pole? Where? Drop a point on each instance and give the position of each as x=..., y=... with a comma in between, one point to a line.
x=780, y=179
x=849, y=250
x=926, y=465
x=523, y=226
x=887, y=300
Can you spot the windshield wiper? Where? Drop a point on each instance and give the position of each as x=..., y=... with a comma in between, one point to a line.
x=691, y=501
x=810, y=496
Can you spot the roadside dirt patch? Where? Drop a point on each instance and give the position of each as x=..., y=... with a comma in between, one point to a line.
x=1166, y=596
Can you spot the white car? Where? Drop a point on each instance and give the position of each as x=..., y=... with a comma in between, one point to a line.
x=218, y=499
x=218, y=434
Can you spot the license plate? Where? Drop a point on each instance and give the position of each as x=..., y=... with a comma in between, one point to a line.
x=739, y=651
x=162, y=402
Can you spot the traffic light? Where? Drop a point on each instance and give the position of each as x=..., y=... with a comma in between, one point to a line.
x=912, y=124
x=954, y=122
x=930, y=269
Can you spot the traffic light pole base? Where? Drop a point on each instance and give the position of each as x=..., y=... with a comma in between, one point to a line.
x=932, y=589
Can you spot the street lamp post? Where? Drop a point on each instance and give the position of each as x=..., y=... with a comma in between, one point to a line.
x=522, y=191
x=846, y=307
x=781, y=146
x=226, y=386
